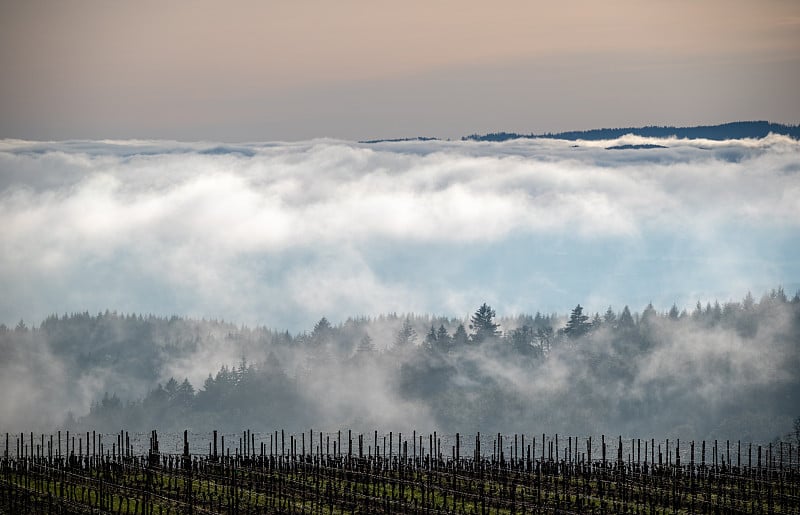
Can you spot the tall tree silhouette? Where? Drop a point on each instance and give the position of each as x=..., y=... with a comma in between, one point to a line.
x=406, y=335
x=578, y=323
x=483, y=325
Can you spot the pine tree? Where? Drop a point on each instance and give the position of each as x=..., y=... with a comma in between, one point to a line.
x=626, y=319
x=673, y=312
x=406, y=335
x=460, y=337
x=323, y=332
x=578, y=323
x=482, y=322
x=442, y=336
x=431, y=338
x=545, y=337
x=184, y=396
x=365, y=346
x=748, y=302
x=522, y=340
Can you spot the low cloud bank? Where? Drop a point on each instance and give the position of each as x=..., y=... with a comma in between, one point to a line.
x=279, y=235
x=282, y=233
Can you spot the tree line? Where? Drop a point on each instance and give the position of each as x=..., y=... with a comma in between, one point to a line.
x=585, y=371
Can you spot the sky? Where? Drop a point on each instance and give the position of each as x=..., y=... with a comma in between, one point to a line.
x=266, y=71
x=282, y=234
x=200, y=158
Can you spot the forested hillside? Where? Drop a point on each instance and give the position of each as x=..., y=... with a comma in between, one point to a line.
x=713, y=370
x=733, y=130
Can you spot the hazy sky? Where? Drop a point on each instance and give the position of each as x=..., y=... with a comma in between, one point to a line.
x=235, y=71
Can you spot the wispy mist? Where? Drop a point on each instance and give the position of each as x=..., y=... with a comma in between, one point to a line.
x=715, y=371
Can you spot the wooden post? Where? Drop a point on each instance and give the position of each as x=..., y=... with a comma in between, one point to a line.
x=543, y=439
x=645, y=454
x=703, y=455
x=728, y=452
x=414, y=448
x=759, y=460
x=603, y=449
x=652, y=452
x=639, y=452
x=589, y=450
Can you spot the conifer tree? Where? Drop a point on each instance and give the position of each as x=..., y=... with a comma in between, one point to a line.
x=578, y=323
x=406, y=335
x=482, y=322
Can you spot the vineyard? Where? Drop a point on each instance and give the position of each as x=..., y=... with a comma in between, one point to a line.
x=345, y=472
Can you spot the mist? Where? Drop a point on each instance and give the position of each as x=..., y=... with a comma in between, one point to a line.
x=281, y=234
x=715, y=371
x=171, y=284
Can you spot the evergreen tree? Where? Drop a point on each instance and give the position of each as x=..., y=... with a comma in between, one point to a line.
x=522, y=339
x=460, y=337
x=779, y=295
x=431, y=338
x=323, y=332
x=171, y=388
x=442, y=337
x=365, y=346
x=578, y=323
x=444, y=342
x=406, y=335
x=626, y=319
x=716, y=312
x=545, y=337
x=649, y=314
x=698, y=311
x=184, y=395
x=482, y=322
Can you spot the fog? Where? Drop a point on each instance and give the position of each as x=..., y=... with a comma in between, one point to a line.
x=127, y=263
x=280, y=234
x=715, y=371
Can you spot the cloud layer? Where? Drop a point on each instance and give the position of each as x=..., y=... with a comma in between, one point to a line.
x=284, y=233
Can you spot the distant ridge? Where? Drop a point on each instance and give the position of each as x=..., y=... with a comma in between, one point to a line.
x=634, y=147
x=733, y=130
x=398, y=140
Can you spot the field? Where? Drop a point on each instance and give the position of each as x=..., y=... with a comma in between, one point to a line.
x=345, y=472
